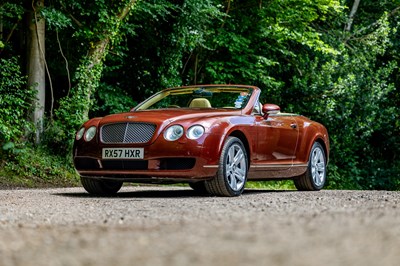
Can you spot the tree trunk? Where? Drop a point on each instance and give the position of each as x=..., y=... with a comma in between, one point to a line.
x=94, y=69
x=1, y=28
x=352, y=15
x=36, y=64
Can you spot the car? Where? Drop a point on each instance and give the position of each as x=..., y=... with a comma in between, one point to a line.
x=213, y=137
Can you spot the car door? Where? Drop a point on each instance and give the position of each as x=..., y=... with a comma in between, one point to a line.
x=277, y=137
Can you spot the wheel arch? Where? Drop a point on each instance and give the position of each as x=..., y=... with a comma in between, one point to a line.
x=240, y=135
x=314, y=133
x=324, y=146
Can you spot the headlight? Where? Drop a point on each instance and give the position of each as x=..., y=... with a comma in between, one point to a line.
x=79, y=134
x=195, y=132
x=173, y=133
x=90, y=133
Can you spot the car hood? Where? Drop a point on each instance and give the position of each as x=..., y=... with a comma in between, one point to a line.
x=164, y=117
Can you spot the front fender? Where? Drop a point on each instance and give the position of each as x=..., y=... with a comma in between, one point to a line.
x=241, y=127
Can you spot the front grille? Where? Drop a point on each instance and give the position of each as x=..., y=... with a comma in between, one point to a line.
x=127, y=133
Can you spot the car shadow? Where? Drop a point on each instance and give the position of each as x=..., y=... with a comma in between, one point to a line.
x=164, y=193
x=263, y=191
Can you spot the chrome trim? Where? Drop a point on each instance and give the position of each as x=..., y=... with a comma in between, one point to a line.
x=266, y=166
x=278, y=165
x=210, y=166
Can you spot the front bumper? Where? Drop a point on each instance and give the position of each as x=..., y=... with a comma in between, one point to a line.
x=182, y=160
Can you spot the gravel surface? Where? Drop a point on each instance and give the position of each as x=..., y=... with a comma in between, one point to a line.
x=149, y=225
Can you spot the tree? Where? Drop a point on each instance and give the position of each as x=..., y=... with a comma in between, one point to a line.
x=36, y=63
x=74, y=109
x=350, y=92
x=261, y=43
x=352, y=14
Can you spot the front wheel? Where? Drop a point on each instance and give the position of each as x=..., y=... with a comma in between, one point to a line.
x=315, y=176
x=231, y=177
x=100, y=187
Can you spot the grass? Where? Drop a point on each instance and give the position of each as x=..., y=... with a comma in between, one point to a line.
x=271, y=185
x=10, y=179
x=36, y=167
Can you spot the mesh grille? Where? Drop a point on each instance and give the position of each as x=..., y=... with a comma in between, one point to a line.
x=127, y=133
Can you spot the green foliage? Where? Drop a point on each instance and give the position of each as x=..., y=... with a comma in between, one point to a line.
x=191, y=30
x=74, y=109
x=258, y=44
x=29, y=166
x=349, y=93
x=13, y=11
x=22, y=164
x=55, y=19
x=97, y=19
x=15, y=102
x=110, y=100
x=140, y=55
x=271, y=185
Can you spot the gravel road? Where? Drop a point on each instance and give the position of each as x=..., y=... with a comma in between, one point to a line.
x=157, y=225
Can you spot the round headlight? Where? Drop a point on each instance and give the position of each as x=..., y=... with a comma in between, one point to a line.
x=79, y=134
x=173, y=133
x=90, y=133
x=195, y=132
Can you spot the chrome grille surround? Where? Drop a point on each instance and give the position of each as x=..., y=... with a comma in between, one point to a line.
x=133, y=132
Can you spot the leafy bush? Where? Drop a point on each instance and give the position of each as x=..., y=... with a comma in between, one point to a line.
x=37, y=167
x=350, y=94
x=110, y=100
x=15, y=102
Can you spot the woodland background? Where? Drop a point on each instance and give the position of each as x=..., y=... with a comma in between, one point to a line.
x=335, y=61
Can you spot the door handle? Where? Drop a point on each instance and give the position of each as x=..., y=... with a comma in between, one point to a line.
x=293, y=125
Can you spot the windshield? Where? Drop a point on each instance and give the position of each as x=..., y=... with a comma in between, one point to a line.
x=198, y=97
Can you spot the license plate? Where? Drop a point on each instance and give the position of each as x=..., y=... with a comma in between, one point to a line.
x=123, y=153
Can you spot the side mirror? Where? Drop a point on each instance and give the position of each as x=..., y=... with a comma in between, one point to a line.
x=270, y=108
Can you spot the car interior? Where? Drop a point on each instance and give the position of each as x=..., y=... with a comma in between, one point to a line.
x=200, y=103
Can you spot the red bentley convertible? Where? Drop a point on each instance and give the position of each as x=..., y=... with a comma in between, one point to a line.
x=214, y=137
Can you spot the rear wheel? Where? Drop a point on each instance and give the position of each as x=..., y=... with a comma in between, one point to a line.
x=315, y=176
x=100, y=187
x=231, y=177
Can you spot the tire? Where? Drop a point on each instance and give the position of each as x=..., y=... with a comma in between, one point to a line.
x=199, y=187
x=315, y=177
x=231, y=176
x=100, y=187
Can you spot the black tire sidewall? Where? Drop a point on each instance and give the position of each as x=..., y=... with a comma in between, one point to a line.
x=224, y=157
x=100, y=187
x=315, y=146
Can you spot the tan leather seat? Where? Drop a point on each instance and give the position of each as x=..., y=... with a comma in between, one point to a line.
x=200, y=103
